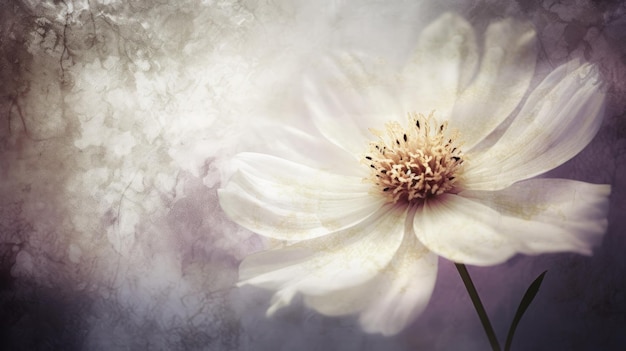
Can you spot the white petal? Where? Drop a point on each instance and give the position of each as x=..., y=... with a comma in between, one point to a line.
x=288, y=201
x=550, y=215
x=558, y=120
x=344, y=259
x=404, y=291
x=444, y=61
x=312, y=150
x=507, y=66
x=531, y=217
x=462, y=231
x=394, y=297
x=350, y=300
x=345, y=97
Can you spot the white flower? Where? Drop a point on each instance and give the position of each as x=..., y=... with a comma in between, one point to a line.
x=367, y=212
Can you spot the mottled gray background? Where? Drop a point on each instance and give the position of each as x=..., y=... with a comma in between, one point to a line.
x=116, y=117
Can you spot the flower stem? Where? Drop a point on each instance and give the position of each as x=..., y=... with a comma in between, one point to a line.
x=478, y=305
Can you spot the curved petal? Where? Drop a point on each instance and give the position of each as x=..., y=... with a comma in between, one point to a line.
x=531, y=217
x=346, y=96
x=558, y=120
x=550, y=215
x=394, y=297
x=341, y=260
x=299, y=146
x=507, y=66
x=406, y=287
x=288, y=201
x=462, y=231
x=444, y=62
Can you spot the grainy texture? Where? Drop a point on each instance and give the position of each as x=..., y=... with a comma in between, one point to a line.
x=117, y=117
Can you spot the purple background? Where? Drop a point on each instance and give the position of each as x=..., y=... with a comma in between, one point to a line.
x=116, y=118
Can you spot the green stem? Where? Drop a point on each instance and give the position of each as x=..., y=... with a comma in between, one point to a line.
x=482, y=314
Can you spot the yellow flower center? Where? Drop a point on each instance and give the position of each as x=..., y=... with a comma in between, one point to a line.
x=414, y=163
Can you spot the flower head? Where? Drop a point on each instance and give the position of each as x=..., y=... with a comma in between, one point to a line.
x=438, y=160
x=414, y=163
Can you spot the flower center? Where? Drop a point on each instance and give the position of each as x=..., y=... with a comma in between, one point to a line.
x=414, y=163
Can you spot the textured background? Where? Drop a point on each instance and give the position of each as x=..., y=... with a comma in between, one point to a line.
x=116, y=116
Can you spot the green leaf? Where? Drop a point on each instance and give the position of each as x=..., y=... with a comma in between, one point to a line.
x=530, y=294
